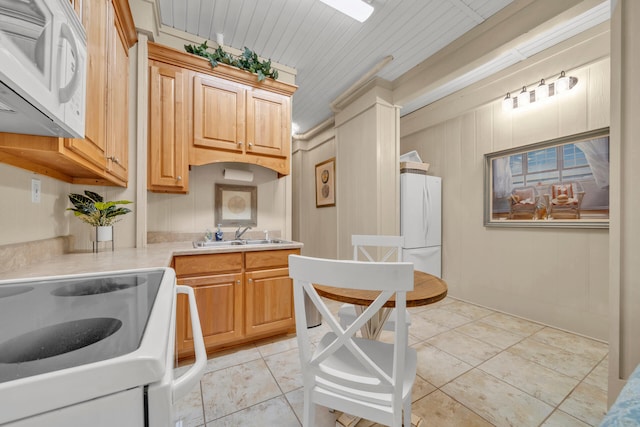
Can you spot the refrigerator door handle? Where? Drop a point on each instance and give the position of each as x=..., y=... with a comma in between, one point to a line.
x=425, y=210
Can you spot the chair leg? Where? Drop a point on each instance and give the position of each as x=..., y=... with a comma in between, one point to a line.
x=406, y=411
x=309, y=416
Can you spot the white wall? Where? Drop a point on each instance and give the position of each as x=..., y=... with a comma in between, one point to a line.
x=554, y=276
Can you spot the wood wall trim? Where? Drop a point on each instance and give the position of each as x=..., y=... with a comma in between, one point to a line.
x=127, y=27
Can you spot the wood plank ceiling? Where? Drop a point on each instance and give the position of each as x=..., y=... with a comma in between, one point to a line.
x=329, y=50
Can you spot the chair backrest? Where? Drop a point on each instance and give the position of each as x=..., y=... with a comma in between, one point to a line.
x=364, y=244
x=570, y=188
x=389, y=278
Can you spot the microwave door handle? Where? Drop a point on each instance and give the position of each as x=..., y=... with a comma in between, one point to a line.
x=182, y=385
x=65, y=93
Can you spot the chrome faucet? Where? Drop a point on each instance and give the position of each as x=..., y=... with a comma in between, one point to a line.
x=240, y=233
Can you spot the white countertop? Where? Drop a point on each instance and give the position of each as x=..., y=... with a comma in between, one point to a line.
x=154, y=255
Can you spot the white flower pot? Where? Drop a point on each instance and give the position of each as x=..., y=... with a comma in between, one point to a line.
x=104, y=234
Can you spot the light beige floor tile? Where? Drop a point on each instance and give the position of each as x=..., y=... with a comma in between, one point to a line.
x=273, y=412
x=553, y=357
x=438, y=409
x=437, y=366
x=562, y=419
x=421, y=388
x=585, y=347
x=464, y=347
x=443, y=317
x=599, y=377
x=324, y=418
x=236, y=356
x=496, y=401
x=513, y=324
x=316, y=333
x=542, y=383
x=587, y=403
x=422, y=329
x=285, y=367
x=277, y=345
x=235, y=388
x=470, y=311
x=189, y=409
x=439, y=304
x=490, y=334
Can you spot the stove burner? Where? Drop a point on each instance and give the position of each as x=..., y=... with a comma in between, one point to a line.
x=6, y=292
x=97, y=286
x=57, y=339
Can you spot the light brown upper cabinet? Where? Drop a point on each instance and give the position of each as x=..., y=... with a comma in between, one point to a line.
x=231, y=116
x=101, y=158
x=167, y=166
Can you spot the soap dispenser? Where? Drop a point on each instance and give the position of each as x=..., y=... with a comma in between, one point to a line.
x=219, y=233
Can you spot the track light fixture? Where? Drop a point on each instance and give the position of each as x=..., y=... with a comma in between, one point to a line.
x=543, y=91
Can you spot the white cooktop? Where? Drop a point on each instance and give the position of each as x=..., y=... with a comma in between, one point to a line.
x=68, y=339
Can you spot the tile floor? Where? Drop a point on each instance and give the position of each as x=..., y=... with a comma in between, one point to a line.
x=476, y=367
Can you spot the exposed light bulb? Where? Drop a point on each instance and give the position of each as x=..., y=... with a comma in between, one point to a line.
x=507, y=103
x=542, y=91
x=524, y=97
x=562, y=84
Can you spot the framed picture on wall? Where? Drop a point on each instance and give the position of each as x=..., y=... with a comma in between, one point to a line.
x=326, y=183
x=236, y=205
x=563, y=182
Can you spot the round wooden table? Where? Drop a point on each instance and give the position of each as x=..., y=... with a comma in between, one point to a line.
x=427, y=289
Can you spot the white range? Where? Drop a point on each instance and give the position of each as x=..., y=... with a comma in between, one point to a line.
x=93, y=349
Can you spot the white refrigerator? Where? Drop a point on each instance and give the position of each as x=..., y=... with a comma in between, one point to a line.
x=421, y=220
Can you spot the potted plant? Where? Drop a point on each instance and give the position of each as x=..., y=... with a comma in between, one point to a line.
x=91, y=208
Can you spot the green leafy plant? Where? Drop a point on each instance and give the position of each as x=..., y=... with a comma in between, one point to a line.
x=248, y=61
x=91, y=208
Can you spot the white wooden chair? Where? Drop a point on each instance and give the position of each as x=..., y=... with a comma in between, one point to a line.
x=373, y=248
x=358, y=376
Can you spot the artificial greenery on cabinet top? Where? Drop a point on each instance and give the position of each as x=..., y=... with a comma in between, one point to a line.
x=248, y=61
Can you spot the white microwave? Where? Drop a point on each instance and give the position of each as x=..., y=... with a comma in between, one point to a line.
x=43, y=51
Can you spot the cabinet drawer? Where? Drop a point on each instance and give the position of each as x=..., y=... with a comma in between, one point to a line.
x=269, y=259
x=207, y=264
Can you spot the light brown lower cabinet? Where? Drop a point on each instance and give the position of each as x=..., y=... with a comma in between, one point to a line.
x=241, y=297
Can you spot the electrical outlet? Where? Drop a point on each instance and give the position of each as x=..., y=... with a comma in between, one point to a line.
x=35, y=190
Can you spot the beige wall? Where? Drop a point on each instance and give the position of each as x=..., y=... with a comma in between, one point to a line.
x=194, y=212
x=555, y=276
x=24, y=221
x=624, y=343
x=367, y=168
x=315, y=227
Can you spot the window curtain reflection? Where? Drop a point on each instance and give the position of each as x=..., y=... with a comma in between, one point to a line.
x=597, y=153
x=502, y=180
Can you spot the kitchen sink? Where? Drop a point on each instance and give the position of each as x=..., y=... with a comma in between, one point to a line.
x=223, y=243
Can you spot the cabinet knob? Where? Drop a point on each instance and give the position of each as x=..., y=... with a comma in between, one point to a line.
x=240, y=143
x=114, y=159
x=237, y=282
x=250, y=280
x=178, y=178
x=250, y=144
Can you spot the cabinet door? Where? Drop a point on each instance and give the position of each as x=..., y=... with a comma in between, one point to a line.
x=117, y=104
x=218, y=114
x=93, y=147
x=268, y=123
x=167, y=133
x=268, y=302
x=219, y=299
